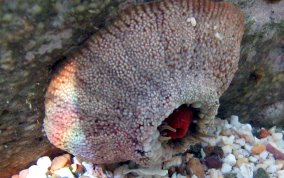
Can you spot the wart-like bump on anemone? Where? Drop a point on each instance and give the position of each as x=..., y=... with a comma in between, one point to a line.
x=147, y=86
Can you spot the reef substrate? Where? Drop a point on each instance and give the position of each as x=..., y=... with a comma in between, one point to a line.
x=238, y=150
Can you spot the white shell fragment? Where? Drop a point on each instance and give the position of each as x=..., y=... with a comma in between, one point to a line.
x=191, y=20
x=219, y=36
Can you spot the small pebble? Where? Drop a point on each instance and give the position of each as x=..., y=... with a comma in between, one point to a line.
x=76, y=160
x=240, y=157
x=188, y=156
x=213, y=162
x=237, y=171
x=230, y=175
x=279, y=162
x=240, y=141
x=77, y=168
x=196, y=150
x=272, y=148
x=246, y=134
x=279, y=143
x=230, y=159
x=263, y=155
x=203, y=155
x=181, y=169
x=171, y=171
x=227, y=149
x=213, y=173
x=263, y=166
x=23, y=173
x=181, y=176
x=242, y=161
x=269, y=161
x=277, y=136
x=278, y=166
x=261, y=173
x=208, y=150
x=248, y=147
x=271, y=169
x=228, y=140
x=175, y=161
x=36, y=172
x=211, y=141
x=234, y=120
x=64, y=172
x=247, y=170
x=247, y=127
x=253, y=159
x=226, y=168
x=242, y=152
x=263, y=133
x=194, y=167
x=235, y=146
x=226, y=132
x=89, y=167
x=257, y=149
x=213, y=150
x=280, y=173
x=272, y=130
x=60, y=162
x=44, y=163
x=174, y=175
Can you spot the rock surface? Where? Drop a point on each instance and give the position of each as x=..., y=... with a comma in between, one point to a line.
x=35, y=35
x=255, y=93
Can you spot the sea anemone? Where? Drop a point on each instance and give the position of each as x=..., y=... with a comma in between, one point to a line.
x=156, y=71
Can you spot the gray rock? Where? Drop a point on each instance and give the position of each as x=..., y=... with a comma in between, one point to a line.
x=256, y=92
x=260, y=173
x=33, y=36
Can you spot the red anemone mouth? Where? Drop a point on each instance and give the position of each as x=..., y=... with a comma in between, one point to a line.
x=178, y=124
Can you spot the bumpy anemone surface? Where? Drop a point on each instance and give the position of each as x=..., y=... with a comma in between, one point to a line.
x=106, y=102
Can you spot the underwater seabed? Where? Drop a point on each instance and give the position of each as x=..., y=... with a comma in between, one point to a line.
x=238, y=150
